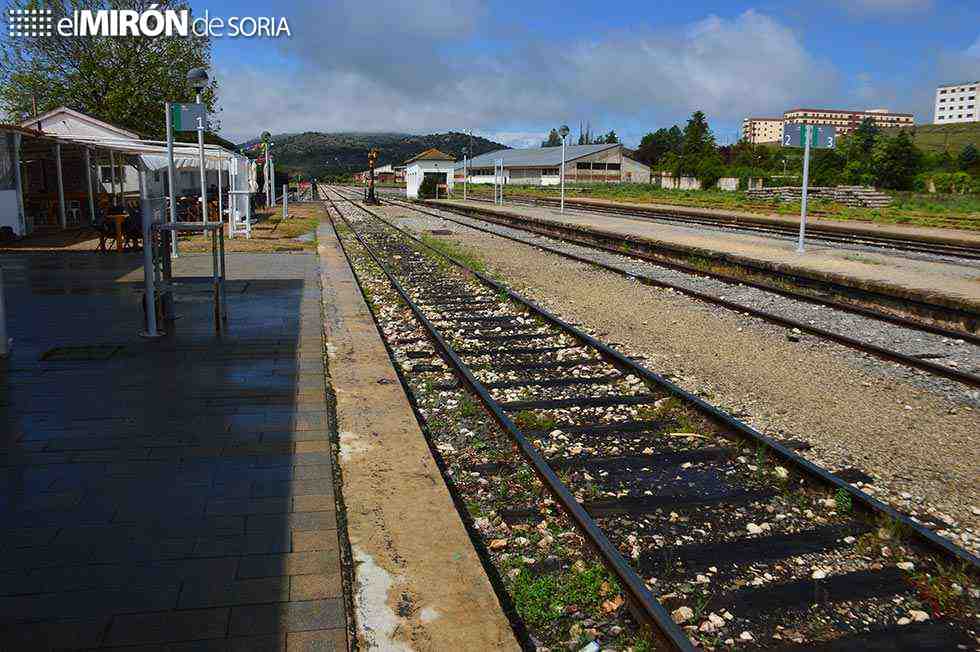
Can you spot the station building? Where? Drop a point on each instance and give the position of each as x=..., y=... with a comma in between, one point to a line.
x=429, y=164
x=604, y=163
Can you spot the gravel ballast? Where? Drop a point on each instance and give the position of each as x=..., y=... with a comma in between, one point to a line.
x=913, y=434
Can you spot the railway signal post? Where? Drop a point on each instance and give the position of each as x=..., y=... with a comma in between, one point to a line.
x=805, y=136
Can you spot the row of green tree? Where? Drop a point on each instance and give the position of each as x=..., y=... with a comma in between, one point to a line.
x=867, y=156
x=585, y=137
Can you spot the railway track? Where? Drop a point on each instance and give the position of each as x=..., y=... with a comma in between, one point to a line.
x=965, y=377
x=717, y=535
x=815, y=232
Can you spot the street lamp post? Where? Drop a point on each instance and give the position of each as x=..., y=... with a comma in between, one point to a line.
x=266, y=178
x=563, y=132
x=465, y=151
x=198, y=78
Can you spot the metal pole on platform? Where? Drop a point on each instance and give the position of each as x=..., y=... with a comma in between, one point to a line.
x=807, y=130
x=149, y=295
x=171, y=180
x=563, y=131
x=61, y=186
x=285, y=201
x=221, y=201
x=112, y=176
x=88, y=185
x=200, y=147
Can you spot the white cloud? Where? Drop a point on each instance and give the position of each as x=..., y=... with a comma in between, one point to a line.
x=974, y=50
x=407, y=74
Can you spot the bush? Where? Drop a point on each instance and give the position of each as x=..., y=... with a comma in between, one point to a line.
x=428, y=188
x=953, y=182
x=708, y=173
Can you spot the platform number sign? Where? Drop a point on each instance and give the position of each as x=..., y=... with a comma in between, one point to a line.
x=807, y=137
x=187, y=117
x=821, y=136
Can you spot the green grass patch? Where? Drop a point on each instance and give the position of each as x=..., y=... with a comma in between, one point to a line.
x=454, y=250
x=541, y=600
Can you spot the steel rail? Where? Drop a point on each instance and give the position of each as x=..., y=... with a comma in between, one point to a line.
x=830, y=303
x=815, y=232
x=971, y=380
x=788, y=456
x=642, y=601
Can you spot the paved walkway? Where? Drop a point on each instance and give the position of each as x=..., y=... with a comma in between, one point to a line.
x=960, y=281
x=170, y=495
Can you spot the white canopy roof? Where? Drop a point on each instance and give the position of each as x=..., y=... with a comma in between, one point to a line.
x=153, y=153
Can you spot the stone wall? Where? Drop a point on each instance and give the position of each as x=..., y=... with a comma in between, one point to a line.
x=863, y=196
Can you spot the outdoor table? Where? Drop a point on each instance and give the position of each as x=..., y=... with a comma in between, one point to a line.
x=217, y=278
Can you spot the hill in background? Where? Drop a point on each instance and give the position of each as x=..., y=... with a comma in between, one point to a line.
x=325, y=155
x=952, y=138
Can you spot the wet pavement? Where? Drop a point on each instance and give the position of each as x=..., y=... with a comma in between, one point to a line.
x=173, y=494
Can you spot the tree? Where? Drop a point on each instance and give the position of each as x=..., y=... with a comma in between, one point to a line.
x=122, y=80
x=699, y=143
x=611, y=137
x=554, y=139
x=655, y=145
x=968, y=156
x=896, y=161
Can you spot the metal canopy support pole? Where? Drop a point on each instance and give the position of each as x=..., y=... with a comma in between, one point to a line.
x=464, y=177
x=61, y=186
x=807, y=130
x=200, y=147
x=285, y=201
x=149, y=273
x=221, y=203
x=21, y=217
x=88, y=184
x=112, y=176
x=171, y=180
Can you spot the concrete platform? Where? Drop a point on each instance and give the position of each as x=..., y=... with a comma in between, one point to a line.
x=896, y=273
x=923, y=233
x=418, y=583
x=167, y=495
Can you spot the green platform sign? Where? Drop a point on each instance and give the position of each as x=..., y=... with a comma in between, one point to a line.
x=187, y=117
x=821, y=136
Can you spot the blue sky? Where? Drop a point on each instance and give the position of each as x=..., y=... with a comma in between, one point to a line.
x=511, y=70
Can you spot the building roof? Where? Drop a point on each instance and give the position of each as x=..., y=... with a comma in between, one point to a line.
x=959, y=84
x=64, y=121
x=760, y=118
x=431, y=154
x=536, y=157
x=871, y=111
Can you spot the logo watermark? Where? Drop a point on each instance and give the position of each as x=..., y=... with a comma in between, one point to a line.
x=151, y=22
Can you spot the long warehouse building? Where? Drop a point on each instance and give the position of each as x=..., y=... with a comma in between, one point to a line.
x=606, y=163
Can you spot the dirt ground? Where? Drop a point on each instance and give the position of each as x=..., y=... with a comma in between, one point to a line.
x=270, y=233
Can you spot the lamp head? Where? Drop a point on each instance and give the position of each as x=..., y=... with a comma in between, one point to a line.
x=563, y=131
x=198, y=78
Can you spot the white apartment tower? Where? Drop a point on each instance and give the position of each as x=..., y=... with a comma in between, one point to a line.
x=957, y=103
